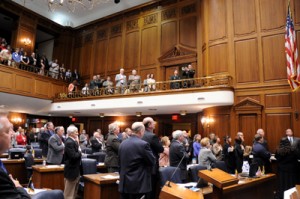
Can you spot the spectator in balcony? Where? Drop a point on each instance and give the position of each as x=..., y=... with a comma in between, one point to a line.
x=146, y=87
x=68, y=75
x=16, y=58
x=21, y=52
x=85, y=91
x=42, y=69
x=151, y=82
x=108, y=85
x=72, y=87
x=3, y=44
x=76, y=76
x=175, y=85
x=32, y=59
x=99, y=81
x=134, y=82
x=6, y=56
x=188, y=73
x=24, y=60
x=54, y=68
x=121, y=82
x=62, y=72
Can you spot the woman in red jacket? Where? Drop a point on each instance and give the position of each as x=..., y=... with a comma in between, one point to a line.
x=21, y=138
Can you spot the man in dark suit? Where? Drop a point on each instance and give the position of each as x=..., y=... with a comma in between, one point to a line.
x=290, y=136
x=262, y=133
x=175, y=85
x=188, y=73
x=72, y=163
x=135, y=169
x=156, y=148
x=44, y=138
x=261, y=155
x=96, y=142
x=9, y=187
x=178, y=154
x=111, y=160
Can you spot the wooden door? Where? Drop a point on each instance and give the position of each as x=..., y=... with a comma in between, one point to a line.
x=248, y=125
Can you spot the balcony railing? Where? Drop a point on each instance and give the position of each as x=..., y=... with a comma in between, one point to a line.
x=218, y=81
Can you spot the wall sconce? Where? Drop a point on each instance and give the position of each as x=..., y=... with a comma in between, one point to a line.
x=101, y=114
x=183, y=112
x=26, y=41
x=206, y=121
x=138, y=114
x=16, y=120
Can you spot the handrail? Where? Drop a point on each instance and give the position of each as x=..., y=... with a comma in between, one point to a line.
x=161, y=86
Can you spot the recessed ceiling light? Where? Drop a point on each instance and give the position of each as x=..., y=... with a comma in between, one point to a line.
x=200, y=98
x=152, y=109
x=58, y=106
x=139, y=102
x=93, y=104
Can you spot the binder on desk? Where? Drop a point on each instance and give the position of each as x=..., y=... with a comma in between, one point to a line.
x=218, y=177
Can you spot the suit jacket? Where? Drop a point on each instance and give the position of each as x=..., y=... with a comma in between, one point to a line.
x=112, y=148
x=8, y=190
x=136, y=161
x=261, y=156
x=118, y=80
x=44, y=138
x=176, y=153
x=175, y=85
x=72, y=159
x=295, y=141
x=156, y=147
x=206, y=157
x=55, y=150
x=96, y=145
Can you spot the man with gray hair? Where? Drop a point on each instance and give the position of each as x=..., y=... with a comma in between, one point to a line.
x=72, y=163
x=156, y=148
x=264, y=141
x=178, y=155
x=56, y=147
x=135, y=169
x=9, y=187
x=111, y=160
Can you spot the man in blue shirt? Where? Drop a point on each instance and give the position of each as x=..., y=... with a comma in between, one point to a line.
x=16, y=57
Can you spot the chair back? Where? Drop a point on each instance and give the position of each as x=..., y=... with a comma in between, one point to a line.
x=57, y=194
x=89, y=166
x=221, y=165
x=38, y=153
x=194, y=170
x=29, y=160
x=169, y=174
x=101, y=156
x=87, y=151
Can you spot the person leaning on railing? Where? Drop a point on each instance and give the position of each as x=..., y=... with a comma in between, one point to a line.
x=6, y=56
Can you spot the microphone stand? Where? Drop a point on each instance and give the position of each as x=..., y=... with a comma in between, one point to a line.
x=169, y=185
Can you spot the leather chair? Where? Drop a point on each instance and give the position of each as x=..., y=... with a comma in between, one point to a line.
x=169, y=174
x=193, y=171
x=89, y=166
x=29, y=161
x=101, y=156
x=57, y=194
x=87, y=151
x=38, y=153
x=221, y=165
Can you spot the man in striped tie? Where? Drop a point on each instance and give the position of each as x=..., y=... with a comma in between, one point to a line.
x=9, y=187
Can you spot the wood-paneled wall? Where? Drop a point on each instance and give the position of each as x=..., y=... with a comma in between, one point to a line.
x=136, y=40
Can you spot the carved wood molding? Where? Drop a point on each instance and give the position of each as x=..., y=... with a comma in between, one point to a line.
x=132, y=25
x=248, y=105
x=168, y=14
x=178, y=55
x=150, y=19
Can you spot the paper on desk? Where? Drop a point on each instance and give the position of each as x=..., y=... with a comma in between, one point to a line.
x=35, y=191
x=52, y=166
x=110, y=177
x=189, y=184
x=101, y=163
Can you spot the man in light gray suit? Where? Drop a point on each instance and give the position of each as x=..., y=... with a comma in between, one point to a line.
x=56, y=147
x=121, y=82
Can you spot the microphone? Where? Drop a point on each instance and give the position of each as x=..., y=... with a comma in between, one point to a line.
x=169, y=183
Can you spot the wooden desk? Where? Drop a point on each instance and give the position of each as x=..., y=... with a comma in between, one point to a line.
x=95, y=186
x=248, y=188
x=50, y=176
x=16, y=167
x=177, y=192
x=4, y=155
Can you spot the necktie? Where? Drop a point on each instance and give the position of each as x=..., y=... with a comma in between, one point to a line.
x=2, y=166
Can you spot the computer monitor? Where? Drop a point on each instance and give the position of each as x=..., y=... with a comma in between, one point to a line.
x=16, y=153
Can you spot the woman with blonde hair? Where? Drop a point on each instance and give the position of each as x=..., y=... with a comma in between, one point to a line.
x=164, y=156
x=206, y=157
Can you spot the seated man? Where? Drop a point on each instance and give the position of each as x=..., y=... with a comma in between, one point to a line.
x=134, y=82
